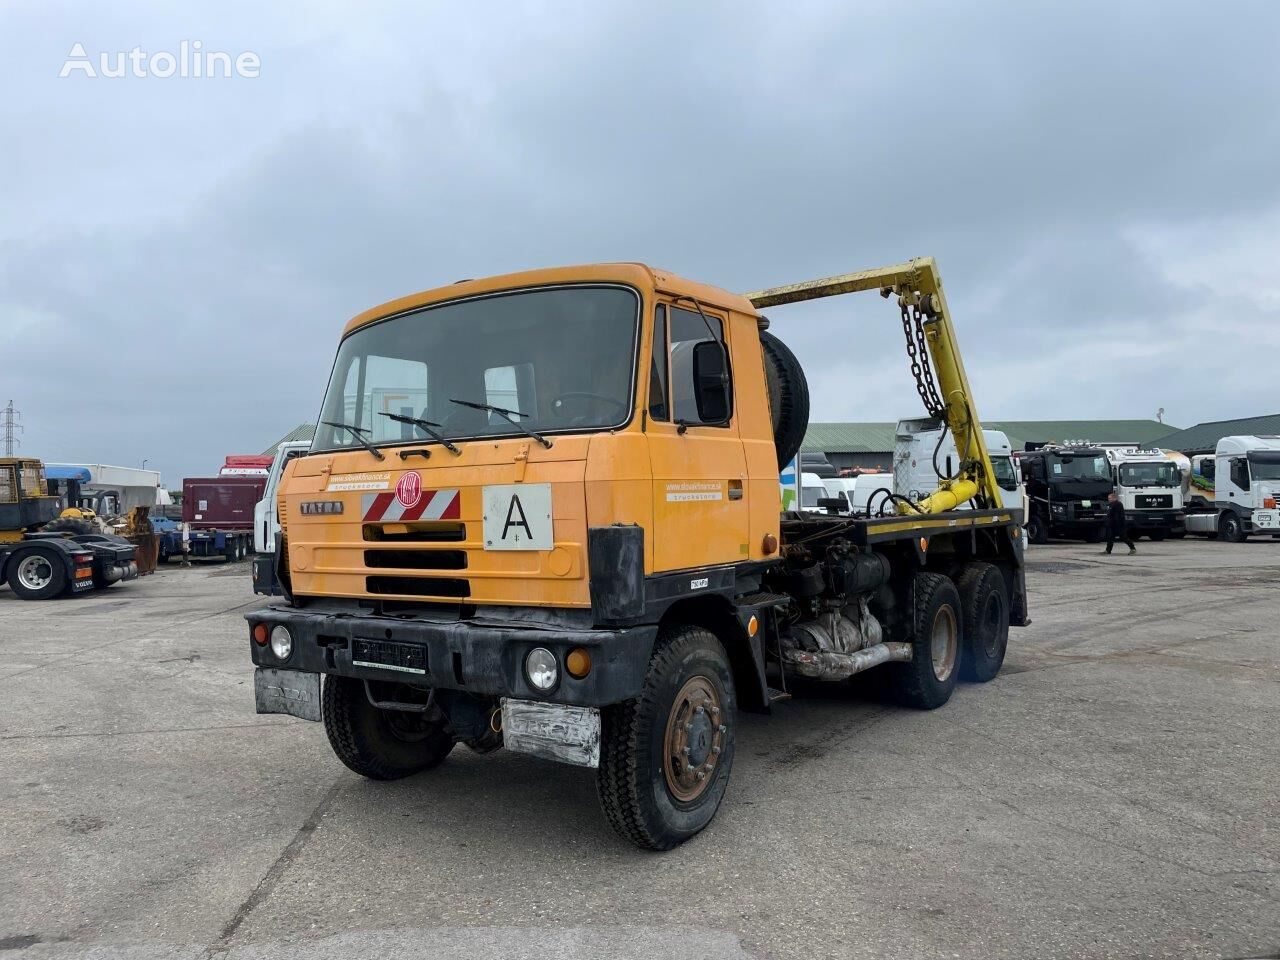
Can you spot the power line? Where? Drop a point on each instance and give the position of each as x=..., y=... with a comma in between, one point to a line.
x=11, y=426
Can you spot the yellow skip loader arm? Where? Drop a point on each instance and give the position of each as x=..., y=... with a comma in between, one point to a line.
x=918, y=288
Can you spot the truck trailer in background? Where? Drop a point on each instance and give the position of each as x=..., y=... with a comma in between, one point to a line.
x=217, y=518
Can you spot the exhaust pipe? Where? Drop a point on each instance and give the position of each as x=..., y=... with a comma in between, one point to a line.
x=836, y=665
x=115, y=572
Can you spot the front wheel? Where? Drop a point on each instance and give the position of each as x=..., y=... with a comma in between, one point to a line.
x=928, y=678
x=1232, y=529
x=1037, y=529
x=665, y=756
x=38, y=574
x=380, y=744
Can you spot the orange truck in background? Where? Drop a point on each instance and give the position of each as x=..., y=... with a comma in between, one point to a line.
x=542, y=511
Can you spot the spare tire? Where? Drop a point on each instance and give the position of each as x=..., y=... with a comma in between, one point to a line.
x=788, y=397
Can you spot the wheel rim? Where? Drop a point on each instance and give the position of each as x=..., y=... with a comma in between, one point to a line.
x=35, y=572
x=694, y=739
x=943, y=643
x=992, y=613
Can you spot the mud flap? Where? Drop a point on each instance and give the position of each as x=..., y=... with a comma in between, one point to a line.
x=287, y=691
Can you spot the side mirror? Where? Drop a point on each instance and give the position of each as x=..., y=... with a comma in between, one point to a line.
x=711, y=382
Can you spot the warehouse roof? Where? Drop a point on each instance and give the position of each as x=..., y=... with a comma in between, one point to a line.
x=303, y=431
x=877, y=437
x=1204, y=437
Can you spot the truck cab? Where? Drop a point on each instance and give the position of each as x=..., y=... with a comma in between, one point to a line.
x=543, y=511
x=1237, y=489
x=266, y=520
x=1149, y=485
x=1067, y=487
x=921, y=443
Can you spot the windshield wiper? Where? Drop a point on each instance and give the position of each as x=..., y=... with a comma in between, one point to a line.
x=426, y=427
x=358, y=433
x=507, y=415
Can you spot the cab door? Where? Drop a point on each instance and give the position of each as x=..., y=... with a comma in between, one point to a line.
x=700, y=515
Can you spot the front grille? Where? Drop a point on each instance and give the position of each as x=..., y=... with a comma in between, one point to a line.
x=416, y=559
x=425, y=532
x=418, y=586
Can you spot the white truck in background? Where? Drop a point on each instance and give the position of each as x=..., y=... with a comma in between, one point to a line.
x=917, y=448
x=266, y=520
x=1149, y=484
x=1245, y=478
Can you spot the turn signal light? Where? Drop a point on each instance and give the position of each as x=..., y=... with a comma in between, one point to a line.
x=260, y=634
x=578, y=663
x=1269, y=503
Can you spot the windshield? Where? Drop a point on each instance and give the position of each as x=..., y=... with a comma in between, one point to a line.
x=1084, y=467
x=1006, y=477
x=809, y=496
x=563, y=358
x=1150, y=475
x=1263, y=471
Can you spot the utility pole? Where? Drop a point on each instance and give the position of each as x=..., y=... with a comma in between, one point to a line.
x=10, y=426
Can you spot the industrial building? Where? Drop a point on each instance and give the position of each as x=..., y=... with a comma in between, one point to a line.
x=870, y=445
x=1204, y=437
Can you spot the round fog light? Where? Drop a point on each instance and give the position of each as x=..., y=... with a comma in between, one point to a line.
x=281, y=642
x=541, y=669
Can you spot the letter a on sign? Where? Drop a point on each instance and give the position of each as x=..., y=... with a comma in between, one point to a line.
x=517, y=516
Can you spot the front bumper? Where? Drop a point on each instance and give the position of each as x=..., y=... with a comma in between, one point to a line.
x=1155, y=520
x=483, y=655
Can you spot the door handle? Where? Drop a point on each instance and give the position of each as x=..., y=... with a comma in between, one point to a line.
x=735, y=489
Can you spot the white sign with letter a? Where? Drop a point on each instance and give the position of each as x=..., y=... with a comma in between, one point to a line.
x=517, y=516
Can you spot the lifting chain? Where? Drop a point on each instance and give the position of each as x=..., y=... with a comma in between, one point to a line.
x=918, y=352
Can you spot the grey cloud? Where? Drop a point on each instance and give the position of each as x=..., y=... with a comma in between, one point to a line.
x=194, y=290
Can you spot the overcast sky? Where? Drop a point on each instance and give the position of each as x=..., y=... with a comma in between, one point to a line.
x=1098, y=182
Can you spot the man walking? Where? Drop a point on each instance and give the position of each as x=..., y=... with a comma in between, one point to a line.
x=1116, y=525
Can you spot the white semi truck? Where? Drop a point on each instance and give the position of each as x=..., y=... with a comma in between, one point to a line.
x=921, y=452
x=1245, y=478
x=1149, y=484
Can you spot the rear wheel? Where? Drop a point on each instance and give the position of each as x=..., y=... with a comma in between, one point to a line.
x=665, y=756
x=380, y=744
x=928, y=678
x=38, y=574
x=984, y=604
x=1232, y=528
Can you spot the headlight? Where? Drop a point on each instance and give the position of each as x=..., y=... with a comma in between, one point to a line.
x=281, y=642
x=541, y=668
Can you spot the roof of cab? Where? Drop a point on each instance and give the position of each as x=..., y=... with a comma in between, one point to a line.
x=638, y=275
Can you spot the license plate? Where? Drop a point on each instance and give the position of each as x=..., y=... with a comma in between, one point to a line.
x=388, y=655
x=287, y=691
x=553, y=731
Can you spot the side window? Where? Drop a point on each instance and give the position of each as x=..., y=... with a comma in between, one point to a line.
x=658, y=371
x=31, y=476
x=1240, y=472
x=1208, y=468
x=686, y=330
x=8, y=487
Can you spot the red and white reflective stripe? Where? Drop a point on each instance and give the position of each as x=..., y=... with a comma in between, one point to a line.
x=432, y=505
